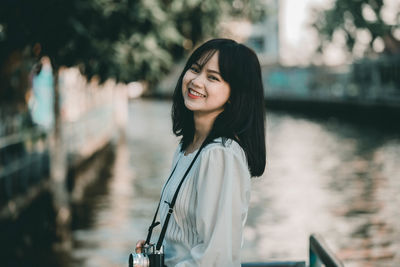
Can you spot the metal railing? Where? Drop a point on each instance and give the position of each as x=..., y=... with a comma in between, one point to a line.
x=24, y=161
x=276, y=264
x=320, y=255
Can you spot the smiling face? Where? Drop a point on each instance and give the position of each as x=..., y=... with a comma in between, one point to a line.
x=203, y=89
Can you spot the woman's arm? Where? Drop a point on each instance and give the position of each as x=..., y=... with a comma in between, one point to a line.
x=223, y=192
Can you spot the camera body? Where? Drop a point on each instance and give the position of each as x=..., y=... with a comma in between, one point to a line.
x=150, y=257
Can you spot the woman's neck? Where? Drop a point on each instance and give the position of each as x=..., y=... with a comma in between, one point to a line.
x=203, y=125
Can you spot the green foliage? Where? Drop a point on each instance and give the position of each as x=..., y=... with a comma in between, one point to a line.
x=124, y=39
x=348, y=17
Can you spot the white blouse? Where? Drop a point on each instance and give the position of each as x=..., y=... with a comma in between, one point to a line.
x=206, y=228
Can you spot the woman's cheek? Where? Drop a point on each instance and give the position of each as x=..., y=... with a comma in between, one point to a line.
x=185, y=82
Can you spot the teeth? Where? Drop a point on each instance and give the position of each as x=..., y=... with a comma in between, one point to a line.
x=195, y=93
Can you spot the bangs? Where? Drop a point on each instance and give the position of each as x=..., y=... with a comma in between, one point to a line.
x=228, y=61
x=204, y=58
x=224, y=60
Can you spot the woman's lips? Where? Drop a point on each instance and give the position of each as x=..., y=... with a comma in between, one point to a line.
x=194, y=94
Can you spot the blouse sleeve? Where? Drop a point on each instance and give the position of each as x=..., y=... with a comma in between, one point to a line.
x=223, y=193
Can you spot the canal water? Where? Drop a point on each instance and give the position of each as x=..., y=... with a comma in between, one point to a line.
x=337, y=178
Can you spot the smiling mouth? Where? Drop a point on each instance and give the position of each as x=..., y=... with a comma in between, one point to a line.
x=193, y=92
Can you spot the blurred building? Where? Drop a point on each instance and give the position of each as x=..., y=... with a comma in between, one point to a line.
x=264, y=36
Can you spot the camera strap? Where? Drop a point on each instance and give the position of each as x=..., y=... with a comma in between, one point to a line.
x=154, y=223
x=171, y=205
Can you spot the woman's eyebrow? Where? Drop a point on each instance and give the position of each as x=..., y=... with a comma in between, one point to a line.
x=208, y=70
x=213, y=71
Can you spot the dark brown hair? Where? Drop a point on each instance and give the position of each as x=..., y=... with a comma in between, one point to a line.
x=243, y=118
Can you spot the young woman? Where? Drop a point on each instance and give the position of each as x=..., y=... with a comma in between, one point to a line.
x=218, y=110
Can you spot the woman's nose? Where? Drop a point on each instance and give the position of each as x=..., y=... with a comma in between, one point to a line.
x=198, y=81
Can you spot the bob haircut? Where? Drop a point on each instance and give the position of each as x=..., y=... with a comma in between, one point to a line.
x=243, y=117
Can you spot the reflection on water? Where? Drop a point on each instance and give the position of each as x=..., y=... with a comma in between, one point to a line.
x=328, y=177
x=125, y=210
x=335, y=178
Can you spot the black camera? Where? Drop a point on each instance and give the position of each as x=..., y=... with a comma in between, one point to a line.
x=150, y=257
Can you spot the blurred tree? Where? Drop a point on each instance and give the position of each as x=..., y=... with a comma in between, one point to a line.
x=361, y=17
x=124, y=39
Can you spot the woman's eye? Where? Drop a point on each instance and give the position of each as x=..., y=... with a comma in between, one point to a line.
x=194, y=69
x=211, y=77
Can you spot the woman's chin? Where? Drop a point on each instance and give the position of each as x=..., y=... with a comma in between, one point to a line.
x=190, y=105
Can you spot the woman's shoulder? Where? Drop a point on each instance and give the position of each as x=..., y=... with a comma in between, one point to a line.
x=225, y=152
x=226, y=145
